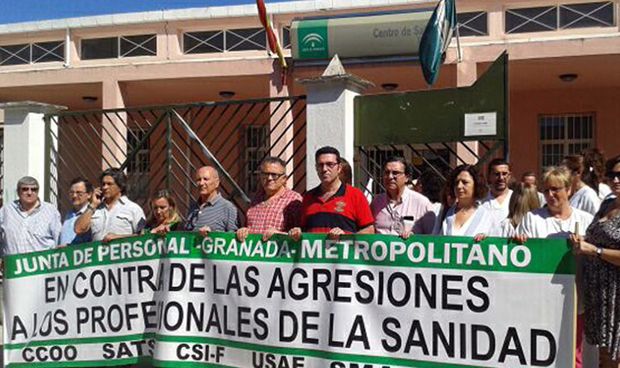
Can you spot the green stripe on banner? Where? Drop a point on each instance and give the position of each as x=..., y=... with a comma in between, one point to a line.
x=83, y=340
x=84, y=363
x=493, y=254
x=311, y=353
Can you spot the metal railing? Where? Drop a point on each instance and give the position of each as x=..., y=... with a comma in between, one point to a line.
x=160, y=147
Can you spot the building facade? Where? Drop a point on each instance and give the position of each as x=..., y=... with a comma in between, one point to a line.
x=564, y=74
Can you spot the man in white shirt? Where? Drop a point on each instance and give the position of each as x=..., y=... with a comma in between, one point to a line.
x=115, y=216
x=498, y=178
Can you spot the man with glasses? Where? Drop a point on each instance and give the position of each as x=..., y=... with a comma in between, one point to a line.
x=28, y=224
x=333, y=207
x=400, y=210
x=498, y=178
x=110, y=214
x=211, y=212
x=80, y=194
x=275, y=209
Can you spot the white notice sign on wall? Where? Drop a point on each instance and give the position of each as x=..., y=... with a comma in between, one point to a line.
x=484, y=123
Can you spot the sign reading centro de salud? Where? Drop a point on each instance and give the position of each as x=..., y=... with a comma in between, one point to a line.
x=371, y=35
x=364, y=301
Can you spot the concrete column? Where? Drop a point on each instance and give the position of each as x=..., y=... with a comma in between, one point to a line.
x=330, y=114
x=466, y=74
x=282, y=131
x=29, y=148
x=113, y=126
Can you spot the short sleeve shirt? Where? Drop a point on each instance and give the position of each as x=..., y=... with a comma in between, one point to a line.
x=125, y=218
x=347, y=209
x=282, y=213
x=23, y=232
x=218, y=214
x=412, y=204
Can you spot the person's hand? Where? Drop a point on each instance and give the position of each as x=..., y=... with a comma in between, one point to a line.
x=162, y=229
x=334, y=233
x=242, y=233
x=95, y=199
x=269, y=233
x=581, y=246
x=295, y=233
x=111, y=236
x=479, y=237
x=61, y=245
x=204, y=231
x=520, y=238
x=406, y=234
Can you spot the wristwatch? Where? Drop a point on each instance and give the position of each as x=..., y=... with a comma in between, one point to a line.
x=599, y=252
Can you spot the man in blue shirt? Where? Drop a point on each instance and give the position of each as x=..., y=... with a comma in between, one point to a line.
x=80, y=193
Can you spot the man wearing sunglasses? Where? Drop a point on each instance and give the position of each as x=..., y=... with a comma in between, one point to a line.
x=275, y=209
x=333, y=207
x=28, y=224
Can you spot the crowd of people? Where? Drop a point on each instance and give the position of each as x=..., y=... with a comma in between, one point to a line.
x=578, y=200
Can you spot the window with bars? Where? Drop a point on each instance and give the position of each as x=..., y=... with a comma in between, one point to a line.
x=138, y=165
x=243, y=39
x=565, y=16
x=119, y=47
x=473, y=24
x=257, y=143
x=32, y=53
x=562, y=135
x=140, y=162
x=587, y=15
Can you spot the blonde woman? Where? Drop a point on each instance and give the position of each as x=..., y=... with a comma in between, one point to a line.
x=164, y=216
x=523, y=200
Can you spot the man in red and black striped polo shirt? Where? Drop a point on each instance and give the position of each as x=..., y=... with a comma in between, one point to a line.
x=334, y=207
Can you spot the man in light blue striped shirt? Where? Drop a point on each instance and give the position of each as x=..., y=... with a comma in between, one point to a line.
x=28, y=224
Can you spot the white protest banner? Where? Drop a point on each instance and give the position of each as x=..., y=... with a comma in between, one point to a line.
x=364, y=301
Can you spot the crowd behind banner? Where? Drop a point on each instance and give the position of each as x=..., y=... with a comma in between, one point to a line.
x=578, y=200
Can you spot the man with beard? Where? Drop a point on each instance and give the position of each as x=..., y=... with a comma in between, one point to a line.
x=498, y=178
x=333, y=207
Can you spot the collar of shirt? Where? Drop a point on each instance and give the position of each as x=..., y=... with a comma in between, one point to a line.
x=18, y=207
x=211, y=202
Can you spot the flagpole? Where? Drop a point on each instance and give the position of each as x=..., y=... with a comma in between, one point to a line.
x=458, y=43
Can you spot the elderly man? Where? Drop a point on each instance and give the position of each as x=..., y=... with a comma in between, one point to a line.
x=110, y=214
x=211, y=212
x=498, y=178
x=276, y=209
x=28, y=224
x=333, y=207
x=400, y=210
x=80, y=193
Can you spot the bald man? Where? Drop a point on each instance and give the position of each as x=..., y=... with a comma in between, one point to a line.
x=211, y=212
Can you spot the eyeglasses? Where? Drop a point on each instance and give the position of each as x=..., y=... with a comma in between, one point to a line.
x=330, y=165
x=268, y=175
x=76, y=192
x=612, y=175
x=29, y=189
x=395, y=174
x=553, y=189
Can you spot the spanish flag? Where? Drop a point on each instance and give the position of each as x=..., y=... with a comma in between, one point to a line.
x=272, y=38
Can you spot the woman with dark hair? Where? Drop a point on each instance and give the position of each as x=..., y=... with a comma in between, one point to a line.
x=164, y=216
x=601, y=250
x=582, y=196
x=594, y=173
x=467, y=217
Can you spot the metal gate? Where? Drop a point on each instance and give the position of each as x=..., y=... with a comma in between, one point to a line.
x=160, y=147
x=428, y=128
